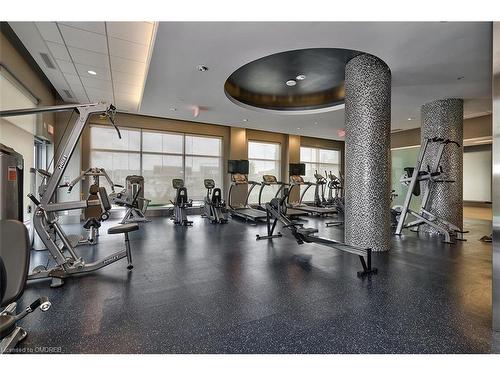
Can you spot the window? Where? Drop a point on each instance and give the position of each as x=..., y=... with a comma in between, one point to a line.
x=321, y=160
x=159, y=157
x=263, y=158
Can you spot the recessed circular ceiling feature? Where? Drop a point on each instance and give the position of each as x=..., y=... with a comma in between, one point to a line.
x=278, y=82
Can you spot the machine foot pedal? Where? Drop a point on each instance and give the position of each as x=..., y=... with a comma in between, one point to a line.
x=363, y=274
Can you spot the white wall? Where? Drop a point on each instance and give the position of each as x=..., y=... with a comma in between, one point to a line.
x=477, y=176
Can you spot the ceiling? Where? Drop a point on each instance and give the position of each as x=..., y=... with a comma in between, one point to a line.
x=92, y=61
x=428, y=61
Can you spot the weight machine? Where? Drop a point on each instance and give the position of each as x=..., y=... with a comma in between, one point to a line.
x=45, y=219
x=416, y=176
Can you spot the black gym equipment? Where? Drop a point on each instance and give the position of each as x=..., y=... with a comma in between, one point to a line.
x=307, y=235
x=181, y=203
x=14, y=263
x=214, y=205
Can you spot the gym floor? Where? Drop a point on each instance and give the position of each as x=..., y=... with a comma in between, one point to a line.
x=215, y=289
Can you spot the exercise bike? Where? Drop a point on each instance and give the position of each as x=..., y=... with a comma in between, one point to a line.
x=181, y=203
x=214, y=205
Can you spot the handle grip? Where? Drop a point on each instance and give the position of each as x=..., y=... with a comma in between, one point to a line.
x=33, y=199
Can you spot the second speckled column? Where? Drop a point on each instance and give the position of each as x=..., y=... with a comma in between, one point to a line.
x=444, y=119
x=367, y=153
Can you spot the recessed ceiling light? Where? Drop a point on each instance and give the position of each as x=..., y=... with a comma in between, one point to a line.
x=245, y=119
x=409, y=119
x=202, y=68
x=300, y=77
x=315, y=122
x=173, y=109
x=91, y=72
x=299, y=128
x=291, y=82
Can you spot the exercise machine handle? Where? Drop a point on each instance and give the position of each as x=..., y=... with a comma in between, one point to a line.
x=33, y=199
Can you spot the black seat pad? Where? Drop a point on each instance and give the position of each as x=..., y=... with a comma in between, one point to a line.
x=123, y=228
x=7, y=325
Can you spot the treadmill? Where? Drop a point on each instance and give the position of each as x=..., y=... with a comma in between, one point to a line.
x=296, y=180
x=239, y=171
x=268, y=180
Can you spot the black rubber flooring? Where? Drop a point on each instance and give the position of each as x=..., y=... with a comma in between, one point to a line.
x=215, y=289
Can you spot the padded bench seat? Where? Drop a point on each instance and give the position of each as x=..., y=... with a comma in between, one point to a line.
x=123, y=228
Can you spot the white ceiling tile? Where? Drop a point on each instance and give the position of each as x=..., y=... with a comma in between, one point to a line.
x=137, y=32
x=97, y=84
x=59, y=51
x=66, y=67
x=81, y=56
x=102, y=73
x=84, y=39
x=95, y=27
x=82, y=99
x=96, y=95
x=128, y=50
x=131, y=79
x=127, y=66
x=72, y=79
x=127, y=89
x=49, y=32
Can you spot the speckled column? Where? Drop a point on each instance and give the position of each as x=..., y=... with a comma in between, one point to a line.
x=367, y=153
x=444, y=119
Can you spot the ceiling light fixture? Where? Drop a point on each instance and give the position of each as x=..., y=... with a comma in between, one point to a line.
x=245, y=119
x=299, y=128
x=91, y=72
x=409, y=119
x=173, y=109
x=202, y=68
x=291, y=82
x=315, y=122
x=300, y=77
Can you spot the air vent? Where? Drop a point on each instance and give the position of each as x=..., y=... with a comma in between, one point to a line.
x=68, y=94
x=48, y=62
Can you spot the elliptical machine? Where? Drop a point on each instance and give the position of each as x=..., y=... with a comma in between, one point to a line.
x=181, y=203
x=335, y=184
x=319, y=190
x=215, y=206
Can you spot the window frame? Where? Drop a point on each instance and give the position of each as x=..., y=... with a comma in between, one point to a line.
x=317, y=163
x=141, y=152
x=277, y=161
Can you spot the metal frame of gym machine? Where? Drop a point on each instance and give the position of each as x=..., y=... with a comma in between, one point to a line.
x=301, y=234
x=244, y=211
x=66, y=266
x=429, y=176
x=268, y=180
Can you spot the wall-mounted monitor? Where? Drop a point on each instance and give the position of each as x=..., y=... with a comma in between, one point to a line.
x=238, y=166
x=297, y=169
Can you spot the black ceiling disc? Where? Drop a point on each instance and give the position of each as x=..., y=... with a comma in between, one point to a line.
x=263, y=83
